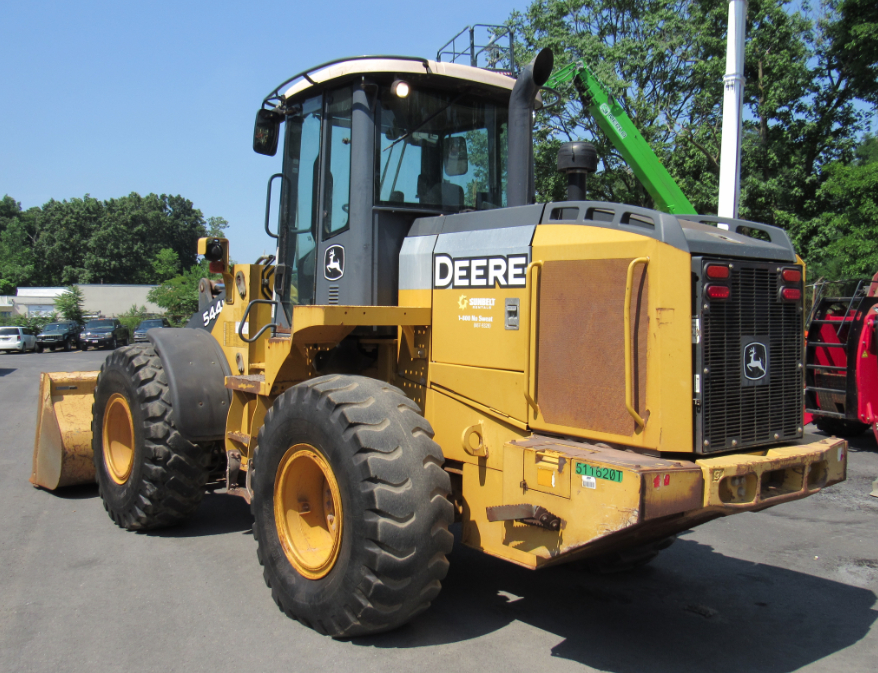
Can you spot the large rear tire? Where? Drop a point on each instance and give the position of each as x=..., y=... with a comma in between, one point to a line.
x=351, y=506
x=147, y=474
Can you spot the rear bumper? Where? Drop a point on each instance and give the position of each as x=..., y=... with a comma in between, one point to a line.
x=609, y=499
x=754, y=481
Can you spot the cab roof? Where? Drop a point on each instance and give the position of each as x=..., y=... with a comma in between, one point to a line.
x=382, y=64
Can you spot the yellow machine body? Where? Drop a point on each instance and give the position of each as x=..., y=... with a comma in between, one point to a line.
x=543, y=416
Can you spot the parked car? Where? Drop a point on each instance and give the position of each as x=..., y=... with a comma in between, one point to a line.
x=63, y=334
x=152, y=323
x=19, y=339
x=104, y=333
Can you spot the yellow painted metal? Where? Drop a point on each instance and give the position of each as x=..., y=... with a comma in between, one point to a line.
x=451, y=415
x=63, y=443
x=669, y=388
x=308, y=511
x=629, y=386
x=752, y=481
x=118, y=438
x=529, y=393
x=498, y=390
x=608, y=498
x=469, y=328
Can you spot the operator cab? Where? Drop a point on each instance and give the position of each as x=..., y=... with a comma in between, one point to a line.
x=369, y=145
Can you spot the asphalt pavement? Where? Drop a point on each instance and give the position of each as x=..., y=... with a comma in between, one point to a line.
x=791, y=588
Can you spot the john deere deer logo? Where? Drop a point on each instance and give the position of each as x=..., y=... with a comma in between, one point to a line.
x=333, y=262
x=754, y=361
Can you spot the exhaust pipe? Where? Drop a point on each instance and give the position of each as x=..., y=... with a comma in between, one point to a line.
x=520, y=155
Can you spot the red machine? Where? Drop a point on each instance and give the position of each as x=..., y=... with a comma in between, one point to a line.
x=841, y=366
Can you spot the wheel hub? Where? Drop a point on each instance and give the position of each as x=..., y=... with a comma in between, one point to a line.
x=307, y=511
x=118, y=438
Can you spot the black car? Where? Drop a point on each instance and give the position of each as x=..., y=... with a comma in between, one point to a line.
x=64, y=334
x=152, y=323
x=104, y=333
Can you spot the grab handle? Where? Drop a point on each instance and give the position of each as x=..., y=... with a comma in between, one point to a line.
x=244, y=319
x=629, y=387
x=532, y=274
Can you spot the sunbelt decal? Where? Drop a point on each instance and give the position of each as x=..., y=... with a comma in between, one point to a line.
x=491, y=271
x=605, y=109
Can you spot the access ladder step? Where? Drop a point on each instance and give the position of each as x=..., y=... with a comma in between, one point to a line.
x=830, y=391
x=834, y=368
x=818, y=344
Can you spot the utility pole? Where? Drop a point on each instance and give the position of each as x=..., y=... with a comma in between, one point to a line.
x=733, y=100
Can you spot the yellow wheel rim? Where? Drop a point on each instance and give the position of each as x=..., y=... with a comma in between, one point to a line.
x=307, y=511
x=118, y=438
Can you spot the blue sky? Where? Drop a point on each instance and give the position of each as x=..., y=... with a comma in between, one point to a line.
x=108, y=98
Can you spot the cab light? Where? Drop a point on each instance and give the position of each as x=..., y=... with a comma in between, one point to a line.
x=792, y=275
x=718, y=292
x=791, y=294
x=717, y=271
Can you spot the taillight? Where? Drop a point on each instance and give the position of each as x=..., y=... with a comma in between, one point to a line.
x=717, y=271
x=718, y=292
x=791, y=275
x=791, y=294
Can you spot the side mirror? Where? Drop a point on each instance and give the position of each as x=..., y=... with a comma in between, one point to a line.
x=456, y=162
x=266, y=132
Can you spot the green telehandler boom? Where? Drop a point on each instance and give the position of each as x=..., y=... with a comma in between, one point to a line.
x=625, y=137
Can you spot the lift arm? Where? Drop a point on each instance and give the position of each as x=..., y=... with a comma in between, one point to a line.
x=625, y=137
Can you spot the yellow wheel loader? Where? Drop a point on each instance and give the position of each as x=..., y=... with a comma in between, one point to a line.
x=570, y=381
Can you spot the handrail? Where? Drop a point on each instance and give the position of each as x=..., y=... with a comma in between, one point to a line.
x=273, y=302
x=629, y=389
x=268, y=202
x=531, y=356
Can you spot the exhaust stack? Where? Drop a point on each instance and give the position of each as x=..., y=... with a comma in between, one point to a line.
x=520, y=160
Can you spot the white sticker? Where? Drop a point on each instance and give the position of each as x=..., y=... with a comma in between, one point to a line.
x=840, y=454
x=245, y=331
x=589, y=482
x=697, y=384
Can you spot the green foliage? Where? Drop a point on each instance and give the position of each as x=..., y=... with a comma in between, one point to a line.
x=166, y=265
x=70, y=304
x=90, y=241
x=36, y=323
x=179, y=295
x=216, y=227
x=810, y=90
x=133, y=317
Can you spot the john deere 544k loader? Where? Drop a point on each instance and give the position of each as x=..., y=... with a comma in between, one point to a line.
x=574, y=380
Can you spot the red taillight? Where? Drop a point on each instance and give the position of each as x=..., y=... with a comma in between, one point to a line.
x=792, y=275
x=718, y=292
x=717, y=271
x=791, y=294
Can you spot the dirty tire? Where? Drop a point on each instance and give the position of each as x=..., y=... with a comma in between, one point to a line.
x=67, y=345
x=395, y=507
x=841, y=427
x=628, y=560
x=168, y=473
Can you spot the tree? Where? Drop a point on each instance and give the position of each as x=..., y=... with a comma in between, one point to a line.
x=216, y=227
x=166, y=265
x=133, y=317
x=70, y=303
x=179, y=295
x=806, y=97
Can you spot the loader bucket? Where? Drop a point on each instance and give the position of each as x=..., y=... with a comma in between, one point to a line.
x=62, y=449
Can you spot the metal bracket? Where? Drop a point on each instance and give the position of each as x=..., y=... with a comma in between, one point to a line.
x=532, y=515
x=233, y=468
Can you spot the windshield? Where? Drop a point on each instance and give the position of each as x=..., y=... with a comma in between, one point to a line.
x=8, y=331
x=98, y=323
x=53, y=327
x=442, y=150
x=149, y=324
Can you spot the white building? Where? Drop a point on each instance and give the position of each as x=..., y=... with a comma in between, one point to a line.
x=103, y=300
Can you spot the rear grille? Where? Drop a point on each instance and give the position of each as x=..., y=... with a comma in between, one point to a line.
x=734, y=414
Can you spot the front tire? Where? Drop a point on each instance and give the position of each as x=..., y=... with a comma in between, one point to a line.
x=148, y=475
x=350, y=461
